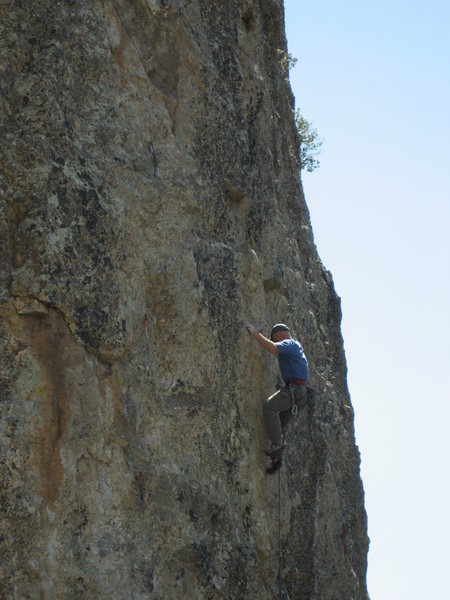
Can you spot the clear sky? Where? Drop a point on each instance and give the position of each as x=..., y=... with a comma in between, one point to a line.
x=374, y=79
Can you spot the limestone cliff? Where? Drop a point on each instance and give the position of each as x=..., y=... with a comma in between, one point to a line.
x=150, y=205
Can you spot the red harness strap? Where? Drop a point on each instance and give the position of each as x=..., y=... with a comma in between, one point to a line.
x=301, y=382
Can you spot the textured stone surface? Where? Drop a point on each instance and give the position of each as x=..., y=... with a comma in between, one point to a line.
x=150, y=205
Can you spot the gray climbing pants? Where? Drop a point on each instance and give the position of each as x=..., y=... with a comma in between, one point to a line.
x=277, y=411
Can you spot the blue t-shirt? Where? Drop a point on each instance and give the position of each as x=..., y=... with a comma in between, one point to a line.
x=292, y=359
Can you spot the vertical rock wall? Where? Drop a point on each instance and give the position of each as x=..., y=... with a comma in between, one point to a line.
x=150, y=205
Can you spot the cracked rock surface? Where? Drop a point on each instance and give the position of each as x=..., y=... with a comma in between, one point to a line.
x=150, y=204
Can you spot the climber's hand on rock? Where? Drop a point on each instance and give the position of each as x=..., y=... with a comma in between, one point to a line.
x=251, y=330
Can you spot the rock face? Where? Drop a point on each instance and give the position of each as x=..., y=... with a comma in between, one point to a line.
x=150, y=205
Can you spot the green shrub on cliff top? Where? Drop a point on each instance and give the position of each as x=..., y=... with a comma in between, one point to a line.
x=310, y=144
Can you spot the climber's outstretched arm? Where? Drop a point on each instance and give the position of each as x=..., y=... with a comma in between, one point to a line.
x=262, y=340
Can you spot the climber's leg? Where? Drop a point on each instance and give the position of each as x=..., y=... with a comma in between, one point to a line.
x=278, y=402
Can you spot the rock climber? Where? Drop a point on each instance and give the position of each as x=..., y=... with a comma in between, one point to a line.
x=281, y=406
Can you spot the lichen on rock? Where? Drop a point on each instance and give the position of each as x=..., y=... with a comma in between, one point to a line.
x=151, y=205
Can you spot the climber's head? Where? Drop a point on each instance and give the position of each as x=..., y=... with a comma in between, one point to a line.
x=279, y=332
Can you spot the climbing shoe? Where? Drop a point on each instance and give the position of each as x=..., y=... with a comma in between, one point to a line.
x=275, y=451
x=276, y=464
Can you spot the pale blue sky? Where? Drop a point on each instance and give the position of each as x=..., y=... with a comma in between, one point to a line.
x=374, y=79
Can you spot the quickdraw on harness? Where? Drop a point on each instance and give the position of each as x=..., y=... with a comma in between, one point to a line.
x=291, y=386
x=294, y=407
